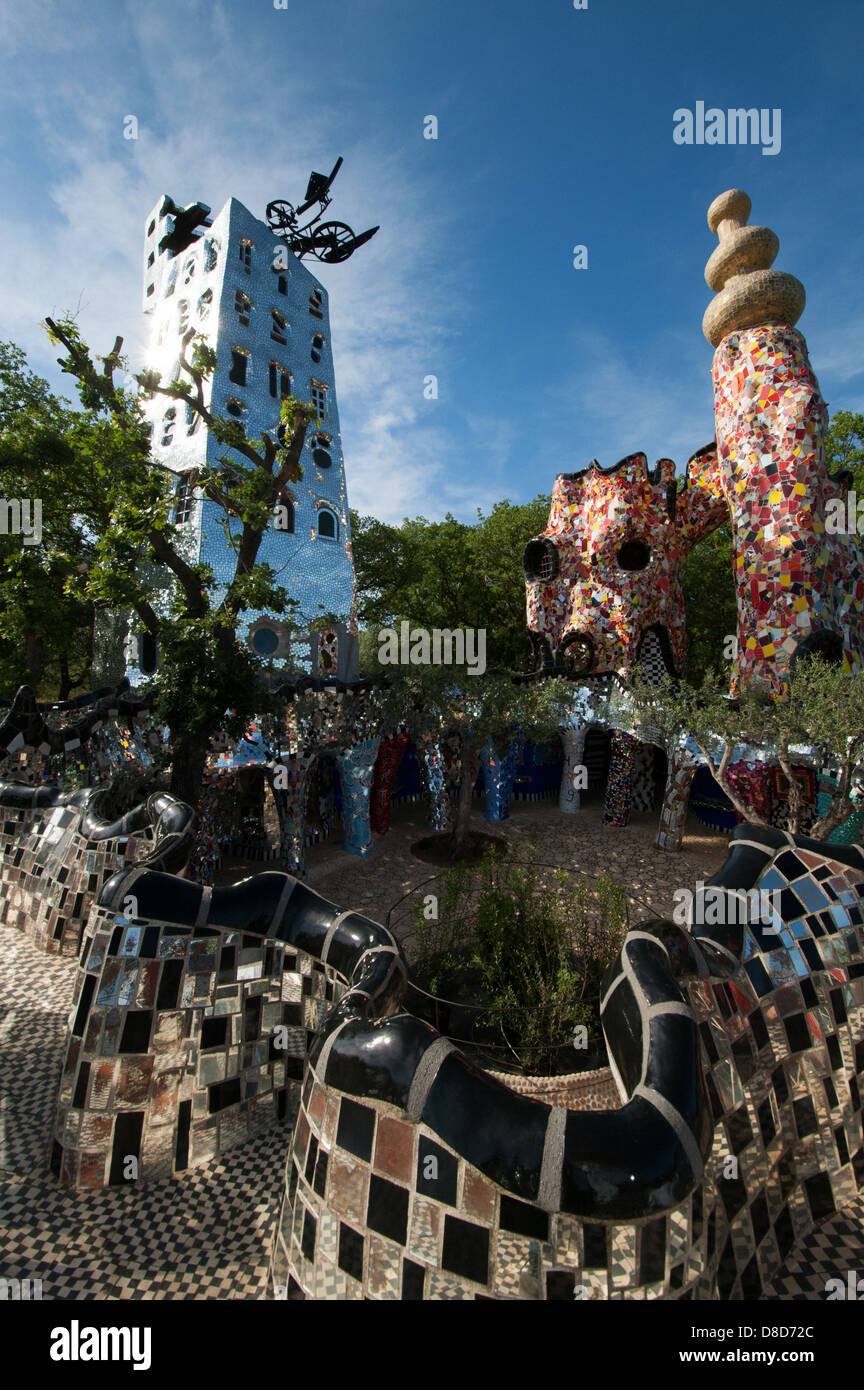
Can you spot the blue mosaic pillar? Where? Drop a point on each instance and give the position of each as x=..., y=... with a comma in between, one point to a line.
x=439, y=807
x=569, y=796
x=498, y=775
x=356, y=768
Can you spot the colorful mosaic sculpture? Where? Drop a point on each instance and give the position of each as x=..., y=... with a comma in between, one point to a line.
x=606, y=569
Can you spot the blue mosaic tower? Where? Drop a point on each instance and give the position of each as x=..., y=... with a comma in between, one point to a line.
x=266, y=316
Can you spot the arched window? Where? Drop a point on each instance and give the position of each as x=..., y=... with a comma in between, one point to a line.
x=278, y=327
x=204, y=303
x=328, y=526
x=243, y=306
x=317, y=347
x=168, y=425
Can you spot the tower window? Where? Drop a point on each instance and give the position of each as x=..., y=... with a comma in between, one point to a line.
x=168, y=425
x=282, y=284
x=234, y=407
x=321, y=456
x=183, y=315
x=328, y=527
x=317, y=347
x=211, y=253
x=278, y=327
x=184, y=499
x=283, y=513
x=280, y=381
x=239, y=364
x=204, y=304
x=151, y=229
x=246, y=254
x=244, y=306
x=172, y=280
x=193, y=419
x=316, y=300
x=319, y=400
x=188, y=270
x=151, y=258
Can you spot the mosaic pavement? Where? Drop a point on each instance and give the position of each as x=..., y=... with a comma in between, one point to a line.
x=205, y=1235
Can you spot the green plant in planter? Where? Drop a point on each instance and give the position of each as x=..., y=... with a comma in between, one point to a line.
x=537, y=952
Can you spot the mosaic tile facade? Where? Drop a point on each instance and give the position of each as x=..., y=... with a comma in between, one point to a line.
x=192, y=1015
x=56, y=853
x=739, y=1054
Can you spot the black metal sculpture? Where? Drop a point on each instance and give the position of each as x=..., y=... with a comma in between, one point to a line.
x=331, y=242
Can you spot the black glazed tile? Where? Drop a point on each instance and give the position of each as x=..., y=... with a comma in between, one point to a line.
x=810, y=952
x=524, y=1220
x=437, y=1171
x=797, y=1033
x=766, y=1120
x=835, y=1055
x=805, y=1116
x=214, y=1032
x=652, y=1251
x=733, y=1193
x=760, y=1217
x=726, y=1270
x=808, y=993
x=758, y=1029
x=350, y=1251
x=858, y=1167
x=310, y=1228
x=356, y=1128
x=387, y=1210
x=830, y=1092
x=640, y=1159
x=842, y=1146
x=136, y=1031
x=508, y=1146
x=88, y=988
x=320, y=1182
x=784, y=1232
x=311, y=1155
x=466, y=1249
x=751, y=1281
x=781, y=1087
x=181, y=1150
x=708, y=1043
x=80, y=1097
x=128, y=1127
x=819, y=1195
x=413, y=1275
x=169, y=984
x=595, y=1245
x=560, y=1285
x=854, y=1093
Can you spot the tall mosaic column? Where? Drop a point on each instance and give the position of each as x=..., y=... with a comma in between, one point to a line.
x=434, y=771
x=573, y=740
x=800, y=581
x=356, y=767
x=619, y=784
x=290, y=808
x=498, y=776
x=205, y=856
x=388, y=760
x=676, y=800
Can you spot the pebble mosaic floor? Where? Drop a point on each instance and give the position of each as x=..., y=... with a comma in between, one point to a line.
x=207, y=1235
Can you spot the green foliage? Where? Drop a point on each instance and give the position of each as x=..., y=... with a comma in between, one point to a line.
x=538, y=952
x=710, y=603
x=449, y=574
x=844, y=446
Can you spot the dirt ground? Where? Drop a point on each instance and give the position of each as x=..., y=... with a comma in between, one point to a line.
x=375, y=886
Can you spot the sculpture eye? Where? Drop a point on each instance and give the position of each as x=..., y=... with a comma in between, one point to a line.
x=634, y=555
x=540, y=560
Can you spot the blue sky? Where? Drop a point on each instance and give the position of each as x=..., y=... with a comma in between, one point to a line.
x=554, y=129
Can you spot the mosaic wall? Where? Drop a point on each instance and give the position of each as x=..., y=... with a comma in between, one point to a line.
x=738, y=1052
x=193, y=1012
x=56, y=852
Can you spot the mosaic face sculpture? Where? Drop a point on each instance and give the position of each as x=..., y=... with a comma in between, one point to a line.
x=799, y=576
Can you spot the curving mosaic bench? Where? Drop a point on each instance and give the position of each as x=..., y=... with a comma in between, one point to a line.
x=737, y=1053
x=193, y=1012
x=57, y=850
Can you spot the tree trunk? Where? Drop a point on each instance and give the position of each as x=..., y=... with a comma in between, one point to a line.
x=187, y=767
x=470, y=768
x=65, y=679
x=35, y=658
